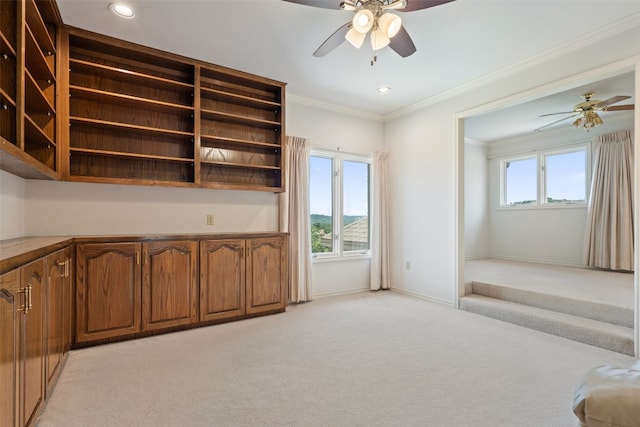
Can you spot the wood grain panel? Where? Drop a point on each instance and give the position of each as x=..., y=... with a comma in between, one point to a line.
x=32, y=324
x=267, y=274
x=107, y=290
x=8, y=14
x=10, y=283
x=237, y=131
x=8, y=76
x=8, y=123
x=236, y=153
x=209, y=103
x=169, y=284
x=222, y=278
x=118, y=167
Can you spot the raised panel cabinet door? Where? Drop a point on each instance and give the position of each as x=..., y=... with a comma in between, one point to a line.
x=32, y=340
x=68, y=303
x=108, y=287
x=267, y=274
x=169, y=284
x=9, y=286
x=57, y=268
x=222, y=277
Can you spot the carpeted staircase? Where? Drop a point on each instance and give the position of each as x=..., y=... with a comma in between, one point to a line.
x=593, y=323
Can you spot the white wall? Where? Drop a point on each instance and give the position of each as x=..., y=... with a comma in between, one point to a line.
x=549, y=235
x=336, y=130
x=12, y=206
x=423, y=151
x=476, y=201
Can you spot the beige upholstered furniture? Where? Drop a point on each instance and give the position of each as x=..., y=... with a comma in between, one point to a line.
x=609, y=396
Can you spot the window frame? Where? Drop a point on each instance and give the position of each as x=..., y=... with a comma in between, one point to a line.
x=541, y=178
x=337, y=197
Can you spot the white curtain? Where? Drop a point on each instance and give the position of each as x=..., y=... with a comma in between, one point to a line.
x=380, y=223
x=609, y=234
x=294, y=216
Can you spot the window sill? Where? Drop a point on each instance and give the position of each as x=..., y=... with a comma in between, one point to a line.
x=544, y=207
x=339, y=258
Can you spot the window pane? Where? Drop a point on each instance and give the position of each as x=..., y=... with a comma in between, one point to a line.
x=321, y=178
x=565, y=177
x=355, y=206
x=521, y=182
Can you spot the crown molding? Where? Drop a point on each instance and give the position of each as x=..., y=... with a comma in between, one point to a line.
x=620, y=26
x=333, y=107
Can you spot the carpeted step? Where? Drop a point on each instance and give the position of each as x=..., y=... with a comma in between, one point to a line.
x=592, y=310
x=601, y=334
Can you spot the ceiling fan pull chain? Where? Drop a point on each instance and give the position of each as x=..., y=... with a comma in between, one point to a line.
x=374, y=60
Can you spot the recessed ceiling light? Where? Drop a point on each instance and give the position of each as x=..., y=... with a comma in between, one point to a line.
x=122, y=10
x=384, y=89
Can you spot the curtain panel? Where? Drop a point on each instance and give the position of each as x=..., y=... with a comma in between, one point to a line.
x=294, y=216
x=379, y=274
x=609, y=233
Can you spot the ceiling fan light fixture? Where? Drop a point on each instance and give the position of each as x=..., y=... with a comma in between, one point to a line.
x=363, y=21
x=355, y=38
x=390, y=24
x=379, y=39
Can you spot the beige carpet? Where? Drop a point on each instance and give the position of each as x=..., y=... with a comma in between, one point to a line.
x=370, y=359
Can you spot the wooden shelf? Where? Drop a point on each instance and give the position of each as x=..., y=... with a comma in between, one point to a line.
x=125, y=126
x=78, y=65
x=38, y=28
x=5, y=99
x=36, y=62
x=236, y=118
x=240, y=165
x=212, y=138
x=36, y=100
x=34, y=133
x=128, y=100
x=129, y=155
x=241, y=99
x=17, y=162
x=6, y=48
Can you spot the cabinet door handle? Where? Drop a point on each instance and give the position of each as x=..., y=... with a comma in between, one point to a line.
x=137, y=257
x=30, y=306
x=66, y=267
x=62, y=264
x=27, y=299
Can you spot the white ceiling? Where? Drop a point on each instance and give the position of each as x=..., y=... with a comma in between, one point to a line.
x=457, y=43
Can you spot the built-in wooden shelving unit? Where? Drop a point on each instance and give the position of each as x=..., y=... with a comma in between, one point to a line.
x=140, y=116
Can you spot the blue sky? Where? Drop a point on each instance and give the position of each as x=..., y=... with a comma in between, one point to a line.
x=565, y=177
x=354, y=176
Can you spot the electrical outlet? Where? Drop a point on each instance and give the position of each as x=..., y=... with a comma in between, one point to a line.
x=210, y=219
x=408, y=265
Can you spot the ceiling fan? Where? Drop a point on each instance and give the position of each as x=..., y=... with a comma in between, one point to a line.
x=587, y=111
x=371, y=16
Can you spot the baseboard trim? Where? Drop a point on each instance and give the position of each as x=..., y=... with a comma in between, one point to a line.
x=423, y=297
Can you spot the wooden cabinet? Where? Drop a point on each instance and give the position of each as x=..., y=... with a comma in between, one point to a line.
x=108, y=288
x=31, y=342
x=58, y=319
x=9, y=287
x=169, y=285
x=267, y=275
x=242, y=276
x=222, y=278
x=141, y=116
x=28, y=114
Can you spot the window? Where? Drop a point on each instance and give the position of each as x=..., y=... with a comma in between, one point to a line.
x=547, y=178
x=339, y=205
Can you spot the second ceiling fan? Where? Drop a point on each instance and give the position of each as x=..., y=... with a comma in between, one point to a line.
x=372, y=17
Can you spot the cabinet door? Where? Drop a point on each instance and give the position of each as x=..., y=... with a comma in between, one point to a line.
x=222, y=276
x=108, y=289
x=9, y=285
x=68, y=303
x=169, y=284
x=267, y=274
x=32, y=341
x=58, y=284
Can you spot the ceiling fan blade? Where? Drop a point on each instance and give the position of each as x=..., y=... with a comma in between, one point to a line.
x=610, y=101
x=334, y=40
x=422, y=4
x=402, y=44
x=554, y=114
x=325, y=4
x=557, y=121
x=620, y=107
